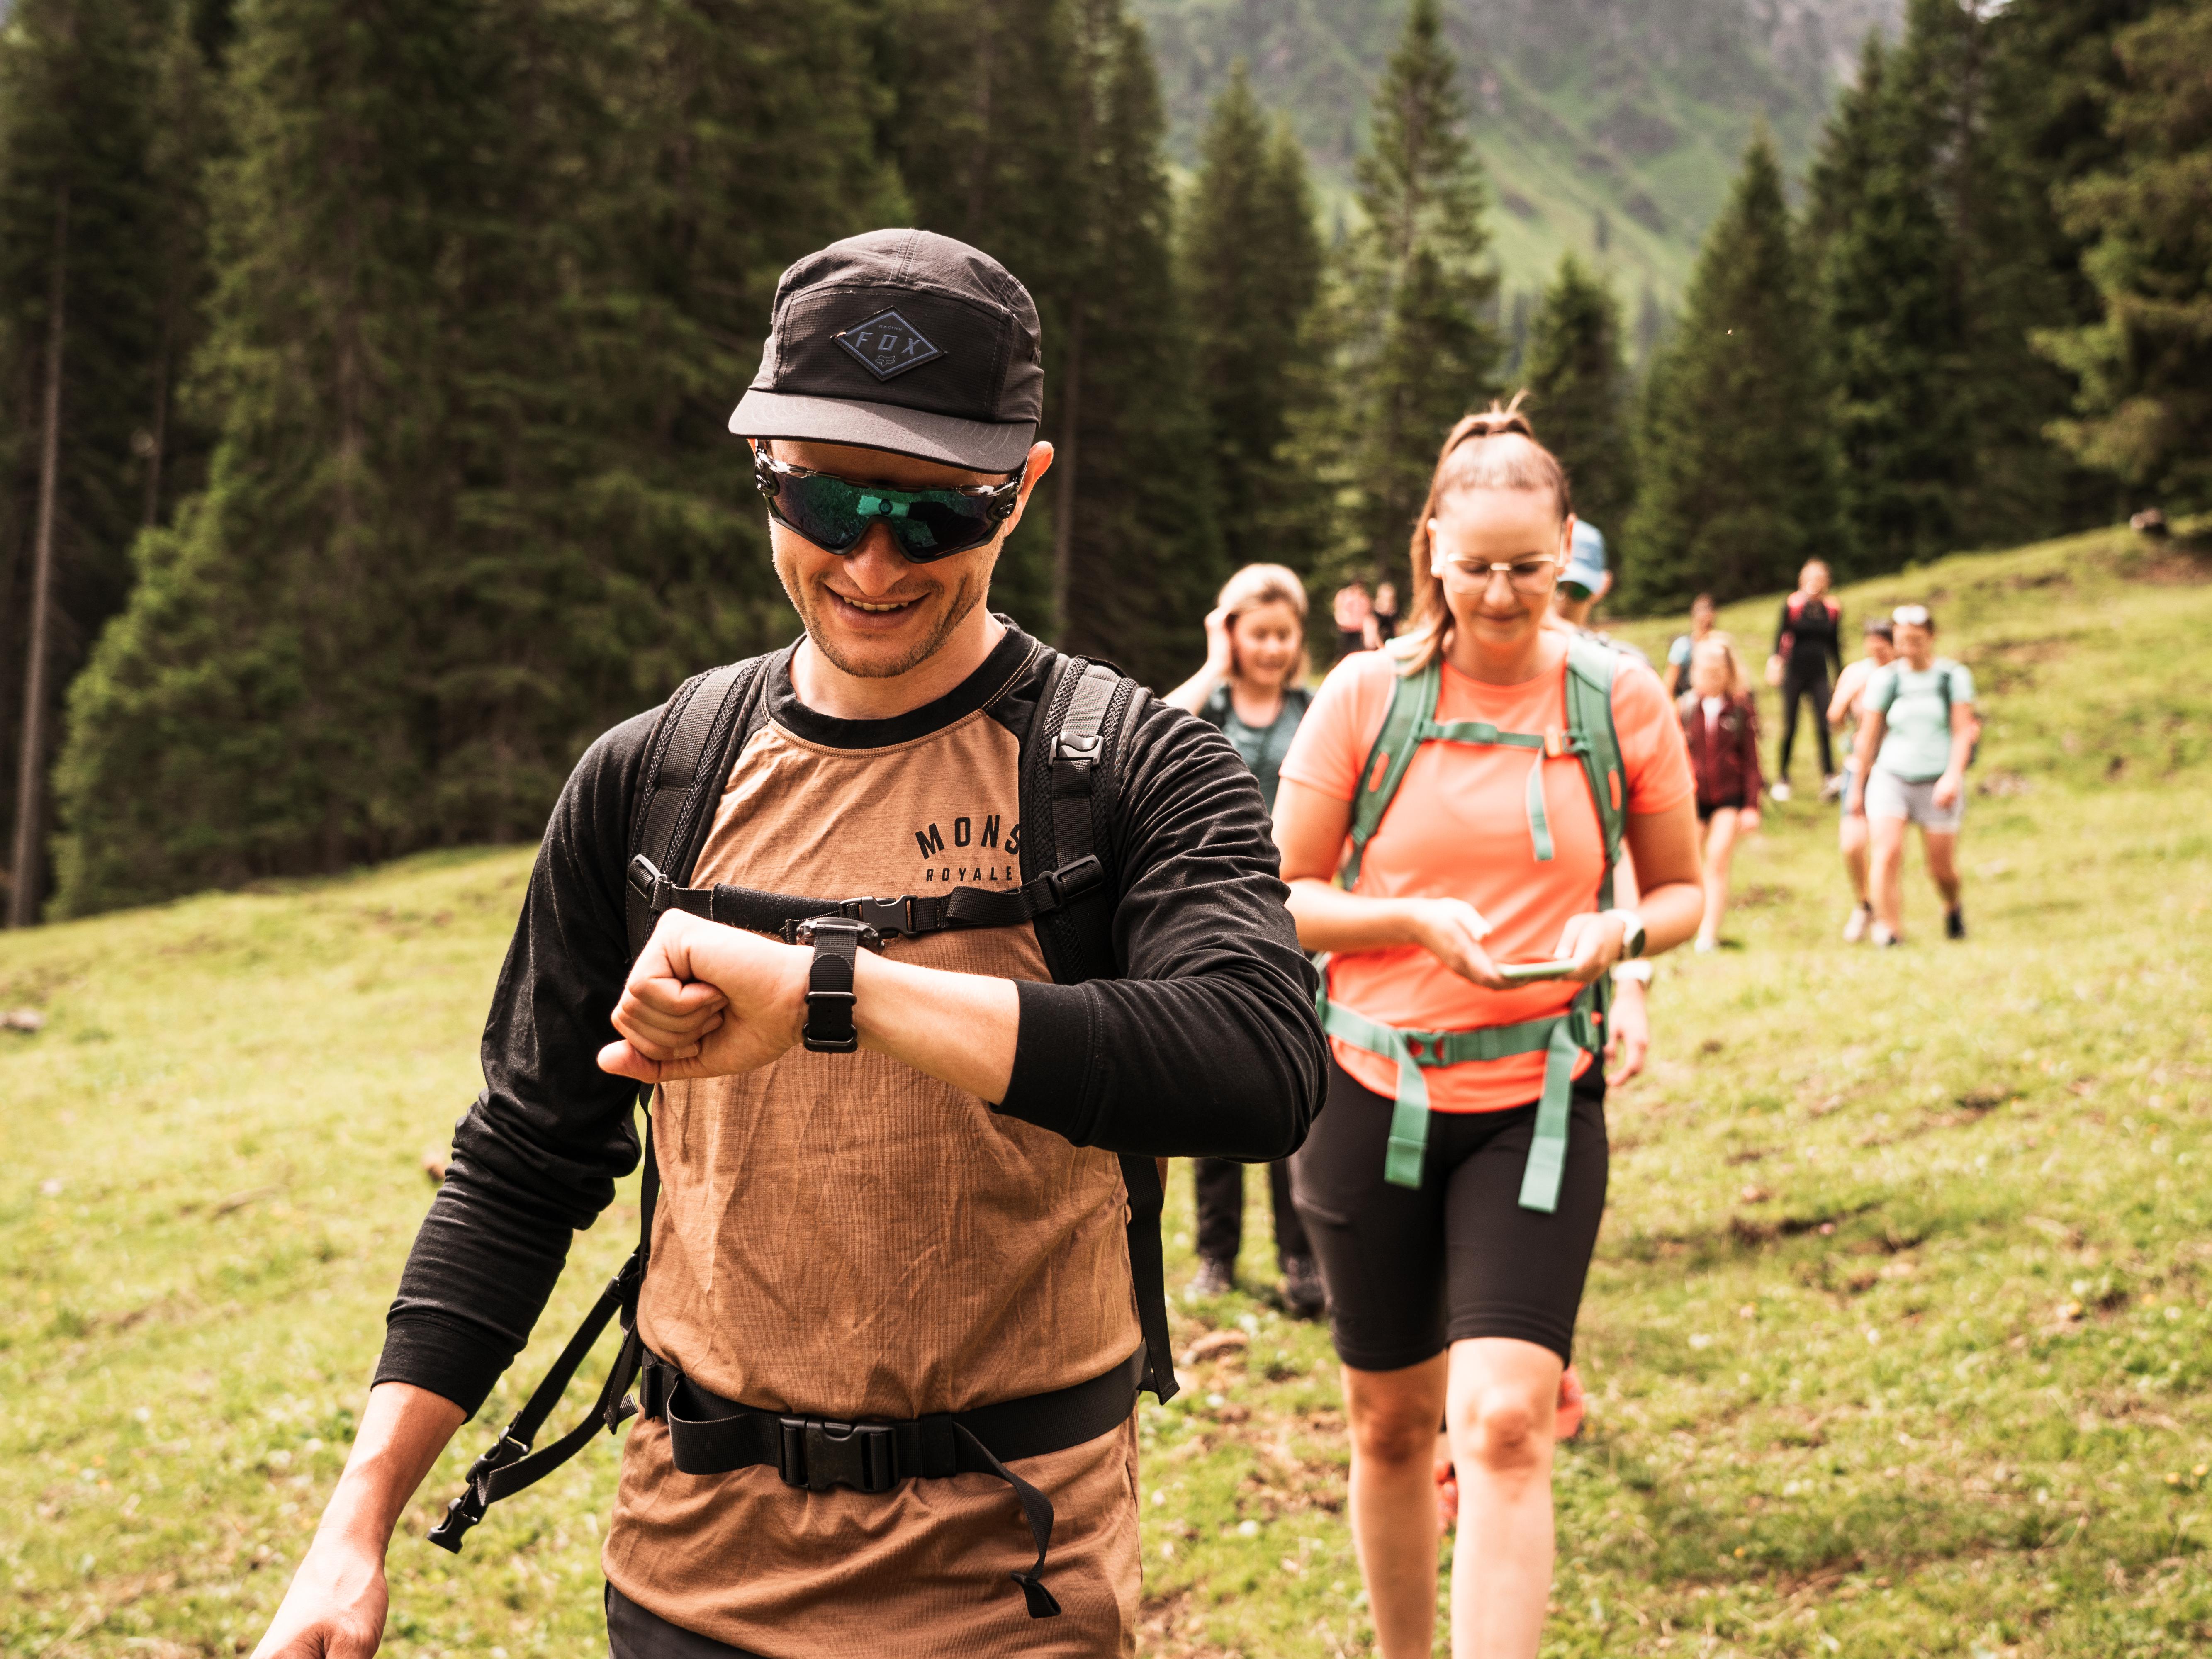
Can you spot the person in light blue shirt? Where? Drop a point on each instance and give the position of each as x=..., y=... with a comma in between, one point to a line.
x=1914, y=745
x=1677, y=671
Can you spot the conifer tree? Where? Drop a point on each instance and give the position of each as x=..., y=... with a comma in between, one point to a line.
x=1138, y=547
x=1736, y=487
x=985, y=125
x=1939, y=261
x=1252, y=269
x=1050, y=162
x=497, y=272
x=1892, y=303
x=1578, y=393
x=79, y=220
x=1421, y=288
x=2145, y=367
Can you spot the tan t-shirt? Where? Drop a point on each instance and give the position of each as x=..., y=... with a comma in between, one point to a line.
x=841, y=1236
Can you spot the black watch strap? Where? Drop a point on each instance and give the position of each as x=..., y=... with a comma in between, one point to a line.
x=836, y=943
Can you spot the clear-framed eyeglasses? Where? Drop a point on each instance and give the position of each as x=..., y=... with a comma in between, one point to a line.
x=1533, y=573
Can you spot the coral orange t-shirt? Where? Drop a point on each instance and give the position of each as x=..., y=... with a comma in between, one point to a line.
x=1458, y=828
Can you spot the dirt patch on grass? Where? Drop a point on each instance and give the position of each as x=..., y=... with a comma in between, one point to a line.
x=1172, y=1626
x=2186, y=566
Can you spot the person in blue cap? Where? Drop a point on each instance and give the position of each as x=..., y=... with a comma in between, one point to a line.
x=1583, y=584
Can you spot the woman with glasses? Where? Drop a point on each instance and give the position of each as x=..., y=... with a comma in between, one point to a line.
x=1253, y=688
x=1453, y=1195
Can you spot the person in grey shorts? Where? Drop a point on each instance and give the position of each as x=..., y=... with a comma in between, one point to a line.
x=1915, y=743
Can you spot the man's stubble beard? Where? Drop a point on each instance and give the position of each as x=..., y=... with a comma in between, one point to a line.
x=964, y=599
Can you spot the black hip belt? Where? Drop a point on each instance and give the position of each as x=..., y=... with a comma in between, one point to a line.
x=709, y=1435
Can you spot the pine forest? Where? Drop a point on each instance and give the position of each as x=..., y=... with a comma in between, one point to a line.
x=364, y=369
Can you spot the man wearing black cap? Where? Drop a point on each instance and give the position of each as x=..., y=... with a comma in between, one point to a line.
x=904, y=1238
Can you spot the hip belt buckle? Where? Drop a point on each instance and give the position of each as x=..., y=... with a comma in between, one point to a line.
x=819, y=1454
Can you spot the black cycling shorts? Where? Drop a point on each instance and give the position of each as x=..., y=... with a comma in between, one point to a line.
x=634, y=1633
x=1411, y=1272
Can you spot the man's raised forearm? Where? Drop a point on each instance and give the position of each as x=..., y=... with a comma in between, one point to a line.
x=958, y=1028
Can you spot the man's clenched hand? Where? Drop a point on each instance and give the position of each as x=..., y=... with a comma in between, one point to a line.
x=706, y=1000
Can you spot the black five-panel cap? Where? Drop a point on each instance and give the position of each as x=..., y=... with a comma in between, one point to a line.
x=901, y=340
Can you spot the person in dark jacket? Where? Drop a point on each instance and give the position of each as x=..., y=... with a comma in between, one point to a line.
x=1806, y=640
x=903, y=1224
x=1720, y=722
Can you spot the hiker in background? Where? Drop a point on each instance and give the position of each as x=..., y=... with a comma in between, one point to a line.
x=1807, y=639
x=1455, y=1259
x=1355, y=619
x=1915, y=740
x=1845, y=710
x=1253, y=688
x=1719, y=724
x=1585, y=582
x=1382, y=620
x=1678, y=653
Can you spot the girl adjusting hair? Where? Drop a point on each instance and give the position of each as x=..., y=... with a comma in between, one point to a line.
x=1719, y=724
x=1487, y=770
x=1253, y=688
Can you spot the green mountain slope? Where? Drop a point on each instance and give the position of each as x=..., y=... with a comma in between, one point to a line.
x=1610, y=126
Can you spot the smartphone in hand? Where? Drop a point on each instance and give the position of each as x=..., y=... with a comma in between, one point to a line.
x=1526, y=973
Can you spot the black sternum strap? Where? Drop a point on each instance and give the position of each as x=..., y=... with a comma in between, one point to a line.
x=902, y=917
x=709, y=1435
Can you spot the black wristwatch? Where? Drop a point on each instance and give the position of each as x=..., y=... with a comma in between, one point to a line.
x=836, y=943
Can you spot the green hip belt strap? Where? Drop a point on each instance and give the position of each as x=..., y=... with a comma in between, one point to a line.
x=1559, y=1038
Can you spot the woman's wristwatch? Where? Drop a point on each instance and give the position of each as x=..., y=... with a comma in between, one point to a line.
x=1631, y=934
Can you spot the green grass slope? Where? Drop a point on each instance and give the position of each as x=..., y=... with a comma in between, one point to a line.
x=1898, y=1337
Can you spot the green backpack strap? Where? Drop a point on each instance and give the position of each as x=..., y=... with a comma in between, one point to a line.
x=1412, y=707
x=1591, y=731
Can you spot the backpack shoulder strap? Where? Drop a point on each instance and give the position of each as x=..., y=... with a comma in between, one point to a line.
x=1590, y=669
x=1412, y=709
x=1072, y=767
x=686, y=760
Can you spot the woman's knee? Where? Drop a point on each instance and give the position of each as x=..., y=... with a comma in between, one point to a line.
x=1395, y=1425
x=1503, y=1428
x=1394, y=1436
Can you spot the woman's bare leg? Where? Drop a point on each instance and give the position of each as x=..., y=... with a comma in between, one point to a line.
x=1886, y=875
x=1852, y=838
x=1503, y=1396
x=1942, y=847
x=1719, y=852
x=1393, y=1417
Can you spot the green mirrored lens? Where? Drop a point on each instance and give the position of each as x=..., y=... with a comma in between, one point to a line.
x=926, y=524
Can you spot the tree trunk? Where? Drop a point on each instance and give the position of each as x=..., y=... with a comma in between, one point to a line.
x=28, y=875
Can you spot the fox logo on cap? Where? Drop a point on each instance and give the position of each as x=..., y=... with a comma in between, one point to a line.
x=887, y=345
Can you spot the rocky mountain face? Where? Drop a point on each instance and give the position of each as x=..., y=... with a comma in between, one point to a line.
x=1609, y=126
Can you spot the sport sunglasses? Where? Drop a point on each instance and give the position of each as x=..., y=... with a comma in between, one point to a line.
x=926, y=524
